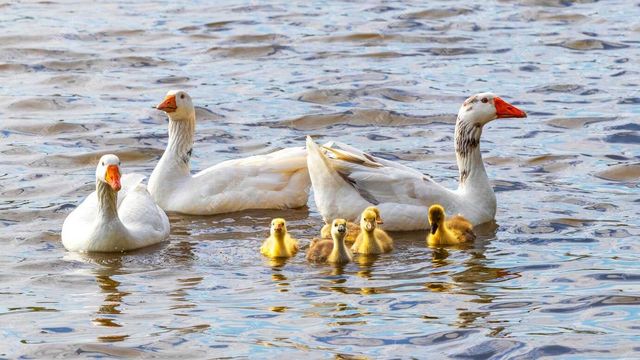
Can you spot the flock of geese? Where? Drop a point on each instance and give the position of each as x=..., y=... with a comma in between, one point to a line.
x=355, y=192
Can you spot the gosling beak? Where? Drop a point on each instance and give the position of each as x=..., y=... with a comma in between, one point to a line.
x=342, y=229
x=369, y=226
x=434, y=228
x=112, y=177
x=278, y=227
x=379, y=221
x=506, y=110
x=168, y=105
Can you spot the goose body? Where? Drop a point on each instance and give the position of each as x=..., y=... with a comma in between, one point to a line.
x=346, y=180
x=119, y=216
x=452, y=231
x=331, y=250
x=274, y=181
x=279, y=244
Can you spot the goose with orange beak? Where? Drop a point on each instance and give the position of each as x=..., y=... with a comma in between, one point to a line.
x=346, y=179
x=273, y=181
x=119, y=216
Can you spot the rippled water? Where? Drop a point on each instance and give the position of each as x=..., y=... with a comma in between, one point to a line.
x=558, y=275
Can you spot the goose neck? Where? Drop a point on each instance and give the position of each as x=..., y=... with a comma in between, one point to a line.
x=181, y=134
x=468, y=155
x=107, y=202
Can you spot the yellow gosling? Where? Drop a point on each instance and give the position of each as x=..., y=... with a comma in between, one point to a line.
x=452, y=231
x=371, y=240
x=334, y=250
x=279, y=244
x=353, y=229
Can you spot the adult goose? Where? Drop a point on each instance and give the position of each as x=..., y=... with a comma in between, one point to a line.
x=346, y=180
x=118, y=216
x=274, y=181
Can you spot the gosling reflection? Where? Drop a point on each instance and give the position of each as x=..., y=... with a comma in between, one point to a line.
x=280, y=280
x=367, y=261
x=276, y=263
x=476, y=272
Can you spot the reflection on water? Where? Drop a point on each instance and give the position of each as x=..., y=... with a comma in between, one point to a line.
x=554, y=276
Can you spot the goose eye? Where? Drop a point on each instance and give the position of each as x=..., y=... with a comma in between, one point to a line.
x=181, y=96
x=485, y=100
x=103, y=163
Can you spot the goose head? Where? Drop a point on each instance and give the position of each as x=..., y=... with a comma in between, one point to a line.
x=436, y=217
x=482, y=108
x=339, y=229
x=278, y=227
x=474, y=113
x=178, y=105
x=108, y=171
x=369, y=219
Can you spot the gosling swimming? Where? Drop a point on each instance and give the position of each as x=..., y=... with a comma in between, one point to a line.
x=279, y=244
x=353, y=229
x=331, y=250
x=452, y=231
x=371, y=240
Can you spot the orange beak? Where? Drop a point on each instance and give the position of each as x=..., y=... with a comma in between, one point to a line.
x=506, y=110
x=168, y=105
x=113, y=177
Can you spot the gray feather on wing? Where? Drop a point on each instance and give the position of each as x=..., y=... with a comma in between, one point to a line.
x=365, y=160
x=362, y=191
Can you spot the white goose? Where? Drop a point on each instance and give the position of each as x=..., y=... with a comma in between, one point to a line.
x=117, y=216
x=274, y=181
x=346, y=180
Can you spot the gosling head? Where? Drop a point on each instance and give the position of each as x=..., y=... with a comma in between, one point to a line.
x=482, y=108
x=369, y=219
x=177, y=104
x=339, y=228
x=436, y=217
x=278, y=227
x=108, y=171
x=377, y=211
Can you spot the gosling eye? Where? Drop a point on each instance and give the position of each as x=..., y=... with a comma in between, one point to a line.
x=485, y=100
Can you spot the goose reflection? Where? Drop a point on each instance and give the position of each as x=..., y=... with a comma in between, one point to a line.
x=106, y=267
x=108, y=314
